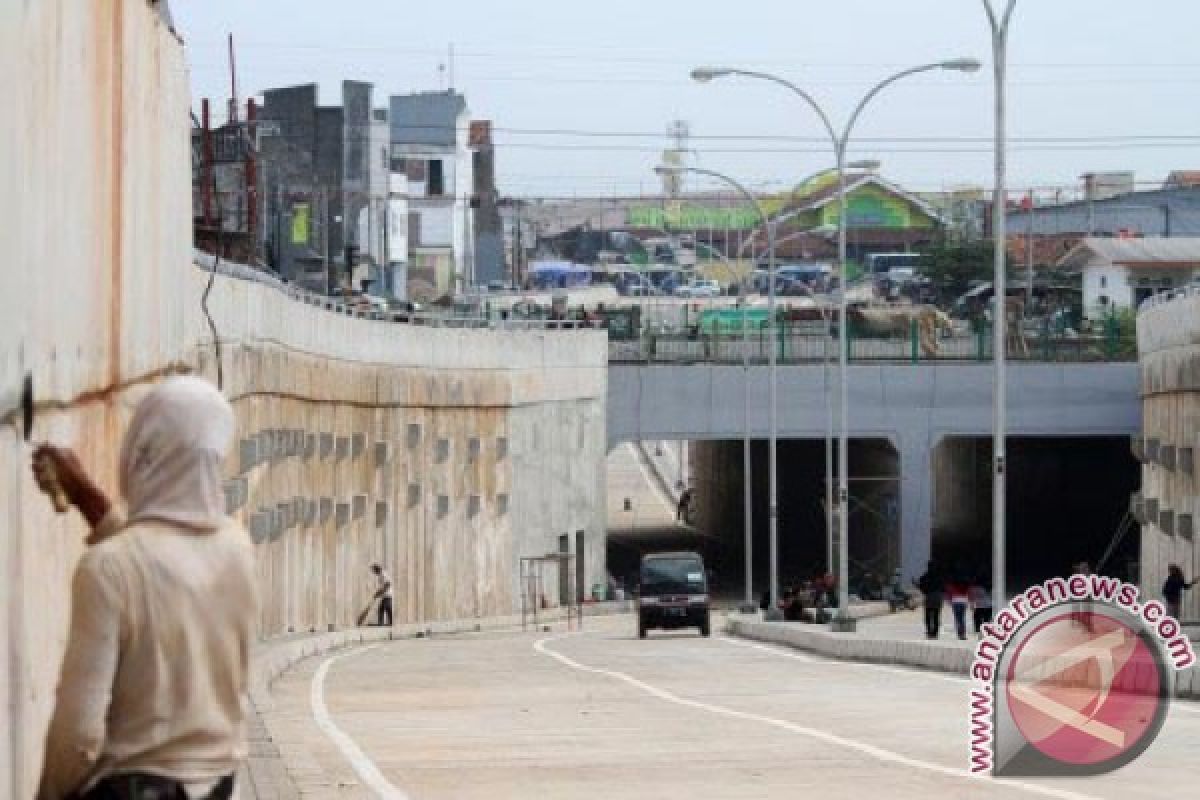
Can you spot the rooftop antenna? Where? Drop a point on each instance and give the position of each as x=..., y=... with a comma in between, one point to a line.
x=450, y=69
x=442, y=75
x=233, y=92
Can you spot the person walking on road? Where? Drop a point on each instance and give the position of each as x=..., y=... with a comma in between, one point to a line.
x=956, y=593
x=931, y=587
x=1173, y=590
x=152, y=693
x=980, y=596
x=383, y=595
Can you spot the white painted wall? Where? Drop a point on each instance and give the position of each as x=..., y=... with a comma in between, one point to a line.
x=1105, y=281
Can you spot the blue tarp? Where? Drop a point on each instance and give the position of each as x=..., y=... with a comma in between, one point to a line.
x=559, y=274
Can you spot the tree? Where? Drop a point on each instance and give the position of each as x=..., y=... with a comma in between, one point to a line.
x=952, y=267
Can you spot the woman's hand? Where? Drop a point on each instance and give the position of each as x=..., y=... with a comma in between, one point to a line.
x=58, y=469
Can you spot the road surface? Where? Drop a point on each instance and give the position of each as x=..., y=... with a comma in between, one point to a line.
x=558, y=716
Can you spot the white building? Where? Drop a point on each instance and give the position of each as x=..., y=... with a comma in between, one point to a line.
x=429, y=145
x=396, y=240
x=1120, y=273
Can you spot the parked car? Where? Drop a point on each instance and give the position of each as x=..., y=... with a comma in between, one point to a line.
x=701, y=288
x=673, y=593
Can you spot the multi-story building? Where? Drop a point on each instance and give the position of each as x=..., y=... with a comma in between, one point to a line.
x=322, y=176
x=429, y=145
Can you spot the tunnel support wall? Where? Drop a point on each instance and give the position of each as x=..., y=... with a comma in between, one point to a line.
x=1169, y=349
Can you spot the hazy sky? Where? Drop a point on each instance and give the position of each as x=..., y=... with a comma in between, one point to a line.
x=1095, y=84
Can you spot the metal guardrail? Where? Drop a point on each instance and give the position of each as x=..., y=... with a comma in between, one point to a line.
x=809, y=348
x=242, y=272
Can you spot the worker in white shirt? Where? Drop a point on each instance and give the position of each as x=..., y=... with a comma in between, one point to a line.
x=151, y=697
x=383, y=594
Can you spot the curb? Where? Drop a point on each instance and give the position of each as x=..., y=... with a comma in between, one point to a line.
x=928, y=655
x=273, y=657
x=931, y=655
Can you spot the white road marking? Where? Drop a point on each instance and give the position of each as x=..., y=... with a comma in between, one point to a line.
x=878, y=753
x=367, y=772
x=914, y=672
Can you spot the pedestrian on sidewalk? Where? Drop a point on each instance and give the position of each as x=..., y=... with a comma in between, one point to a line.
x=956, y=593
x=152, y=692
x=1173, y=590
x=980, y=595
x=383, y=595
x=683, y=508
x=932, y=588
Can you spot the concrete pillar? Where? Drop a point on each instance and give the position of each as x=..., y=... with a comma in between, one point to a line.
x=916, y=502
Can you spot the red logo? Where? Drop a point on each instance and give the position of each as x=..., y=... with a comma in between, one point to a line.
x=1085, y=690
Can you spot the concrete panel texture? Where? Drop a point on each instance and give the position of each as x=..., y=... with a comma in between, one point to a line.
x=1169, y=352
x=102, y=299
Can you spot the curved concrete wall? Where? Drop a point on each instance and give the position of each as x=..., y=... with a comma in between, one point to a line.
x=1169, y=349
x=446, y=454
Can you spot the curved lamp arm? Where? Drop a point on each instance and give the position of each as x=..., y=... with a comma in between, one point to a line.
x=879, y=87
x=708, y=74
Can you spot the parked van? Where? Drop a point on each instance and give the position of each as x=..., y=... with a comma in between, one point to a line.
x=673, y=593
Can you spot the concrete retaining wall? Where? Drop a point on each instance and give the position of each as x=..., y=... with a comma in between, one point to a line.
x=358, y=441
x=1169, y=349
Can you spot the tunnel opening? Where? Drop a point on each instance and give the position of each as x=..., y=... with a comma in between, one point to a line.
x=1067, y=499
x=717, y=476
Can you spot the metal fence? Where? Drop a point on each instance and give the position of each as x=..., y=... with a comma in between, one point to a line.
x=808, y=347
x=493, y=321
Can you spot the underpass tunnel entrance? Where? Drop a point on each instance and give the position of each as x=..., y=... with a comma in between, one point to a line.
x=717, y=478
x=1067, y=502
x=646, y=481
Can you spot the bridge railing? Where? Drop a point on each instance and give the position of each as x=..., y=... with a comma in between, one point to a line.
x=803, y=345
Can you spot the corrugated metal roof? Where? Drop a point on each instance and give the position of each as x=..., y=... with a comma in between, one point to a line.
x=429, y=118
x=1146, y=251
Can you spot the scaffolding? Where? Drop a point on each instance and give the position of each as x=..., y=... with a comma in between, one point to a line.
x=533, y=589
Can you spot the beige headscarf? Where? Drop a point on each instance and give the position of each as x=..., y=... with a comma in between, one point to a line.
x=171, y=455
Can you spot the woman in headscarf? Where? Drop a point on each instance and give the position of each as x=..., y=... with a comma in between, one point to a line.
x=150, y=700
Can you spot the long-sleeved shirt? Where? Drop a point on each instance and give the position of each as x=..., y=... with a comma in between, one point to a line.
x=156, y=669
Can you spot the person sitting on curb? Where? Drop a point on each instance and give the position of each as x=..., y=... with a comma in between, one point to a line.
x=152, y=694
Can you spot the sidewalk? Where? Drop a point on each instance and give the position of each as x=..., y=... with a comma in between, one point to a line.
x=897, y=639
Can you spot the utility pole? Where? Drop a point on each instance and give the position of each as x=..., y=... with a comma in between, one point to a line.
x=1029, y=255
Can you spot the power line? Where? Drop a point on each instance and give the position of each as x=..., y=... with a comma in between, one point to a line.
x=608, y=56
x=1043, y=148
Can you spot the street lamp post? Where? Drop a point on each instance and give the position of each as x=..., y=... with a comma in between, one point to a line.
x=840, y=145
x=999, y=25
x=748, y=511
x=827, y=318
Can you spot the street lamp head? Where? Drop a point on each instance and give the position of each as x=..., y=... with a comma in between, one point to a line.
x=866, y=165
x=962, y=65
x=706, y=74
